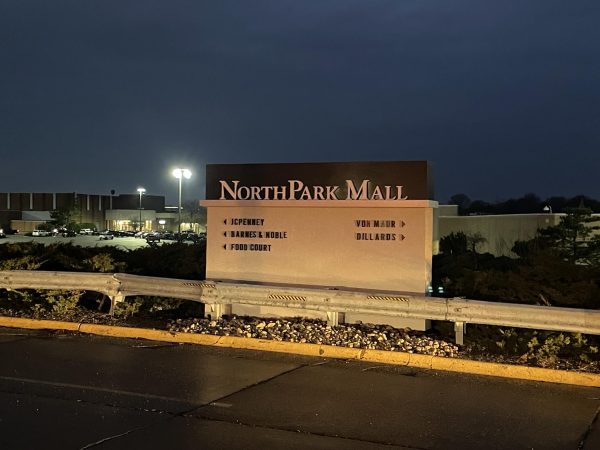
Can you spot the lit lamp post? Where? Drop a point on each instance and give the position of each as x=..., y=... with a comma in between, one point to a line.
x=180, y=174
x=141, y=190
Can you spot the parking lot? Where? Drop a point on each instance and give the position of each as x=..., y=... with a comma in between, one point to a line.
x=125, y=243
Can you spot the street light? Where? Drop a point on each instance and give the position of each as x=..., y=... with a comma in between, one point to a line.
x=141, y=190
x=180, y=174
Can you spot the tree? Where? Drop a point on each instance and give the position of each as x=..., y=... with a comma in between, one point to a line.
x=574, y=236
x=481, y=207
x=192, y=212
x=581, y=201
x=473, y=241
x=462, y=200
x=573, y=239
x=529, y=203
x=44, y=226
x=135, y=223
x=63, y=217
x=460, y=243
x=454, y=244
x=556, y=203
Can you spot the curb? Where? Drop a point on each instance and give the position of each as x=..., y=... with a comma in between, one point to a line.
x=322, y=351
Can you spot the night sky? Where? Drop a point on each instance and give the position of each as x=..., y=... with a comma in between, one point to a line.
x=502, y=96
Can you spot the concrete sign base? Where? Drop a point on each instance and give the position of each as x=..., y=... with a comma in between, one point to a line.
x=370, y=245
x=347, y=225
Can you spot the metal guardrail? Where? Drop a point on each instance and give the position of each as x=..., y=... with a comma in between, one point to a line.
x=219, y=295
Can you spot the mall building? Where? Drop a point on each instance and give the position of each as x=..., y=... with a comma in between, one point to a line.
x=25, y=211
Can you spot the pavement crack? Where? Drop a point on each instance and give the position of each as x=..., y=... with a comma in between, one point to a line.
x=320, y=363
x=245, y=388
x=305, y=432
x=589, y=429
x=116, y=436
x=372, y=367
x=155, y=346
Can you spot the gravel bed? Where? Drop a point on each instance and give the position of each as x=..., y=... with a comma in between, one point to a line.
x=363, y=336
x=367, y=336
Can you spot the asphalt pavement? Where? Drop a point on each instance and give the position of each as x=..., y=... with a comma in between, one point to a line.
x=69, y=391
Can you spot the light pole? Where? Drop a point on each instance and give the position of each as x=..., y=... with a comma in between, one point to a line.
x=141, y=190
x=180, y=174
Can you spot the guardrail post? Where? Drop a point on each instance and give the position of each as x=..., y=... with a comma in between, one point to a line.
x=460, y=329
x=114, y=299
x=215, y=311
x=334, y=318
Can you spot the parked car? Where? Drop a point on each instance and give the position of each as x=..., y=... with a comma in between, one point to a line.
x=2, y=235
x=124, y=233
x=41, y=233
x=188, y=236
x=86, y=231
x=191, y=236
x=152, y=237
x=106, y=236
x=65, y=232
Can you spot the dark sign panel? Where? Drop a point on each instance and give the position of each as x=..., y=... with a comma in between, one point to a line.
x=395, y=180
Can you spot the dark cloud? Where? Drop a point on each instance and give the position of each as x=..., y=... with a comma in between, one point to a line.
x=503, y=97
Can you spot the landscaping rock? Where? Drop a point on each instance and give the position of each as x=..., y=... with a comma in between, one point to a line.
x=369, y=336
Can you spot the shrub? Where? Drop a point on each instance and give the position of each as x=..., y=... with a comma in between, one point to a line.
x=61, y=302
x=147, y=306
x=543, y=348
x=102, y=262
x=547, y=350
x=177, y=260
x=129, y=307
x=28, y=262
x=41, y=301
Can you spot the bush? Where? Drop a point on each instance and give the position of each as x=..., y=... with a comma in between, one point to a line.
x=41, y=301
x=454, y=244
x=176, y=260
x=550, y=347
x=156, y=306
x=60, y=302
x=28, y=262
x=103, y=262
x=541, y=348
